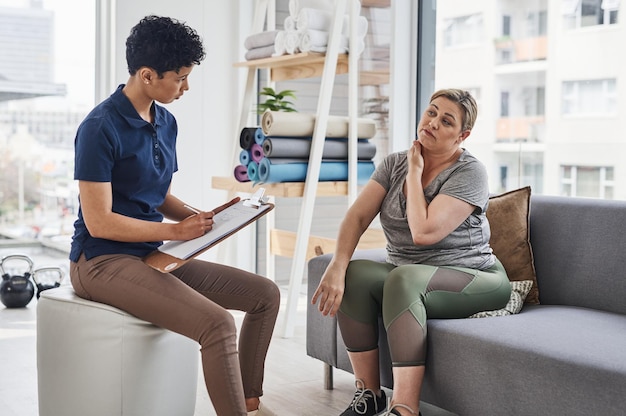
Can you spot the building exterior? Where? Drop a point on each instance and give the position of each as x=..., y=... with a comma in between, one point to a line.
x=27, y=51
x=548, y=75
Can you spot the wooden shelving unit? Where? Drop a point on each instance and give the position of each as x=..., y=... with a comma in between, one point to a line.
x=306, y=65
x=297, y=66
x=280, y=189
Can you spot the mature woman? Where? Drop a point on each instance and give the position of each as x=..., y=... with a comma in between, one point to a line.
x=432, y=200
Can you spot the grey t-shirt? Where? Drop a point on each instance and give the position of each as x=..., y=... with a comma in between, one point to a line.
x=468, y=245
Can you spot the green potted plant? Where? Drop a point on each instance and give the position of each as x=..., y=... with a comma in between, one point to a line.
x=276, y=101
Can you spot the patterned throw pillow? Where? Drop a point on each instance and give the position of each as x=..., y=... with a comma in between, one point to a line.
x=519, y=291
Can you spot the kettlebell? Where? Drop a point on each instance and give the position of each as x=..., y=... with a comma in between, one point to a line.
x=16, y=291
x=47, y=278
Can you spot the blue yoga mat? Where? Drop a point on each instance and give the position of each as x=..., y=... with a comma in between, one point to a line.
x=245, y=157
x=270, y=172
x=259, y=136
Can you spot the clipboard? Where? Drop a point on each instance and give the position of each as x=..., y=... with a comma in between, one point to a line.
x=235, y=215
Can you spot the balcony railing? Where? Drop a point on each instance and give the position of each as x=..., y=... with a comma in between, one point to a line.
x=521, y=50
x=520, y=129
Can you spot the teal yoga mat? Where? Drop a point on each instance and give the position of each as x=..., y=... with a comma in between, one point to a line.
x=270, y=171
x=253, y=171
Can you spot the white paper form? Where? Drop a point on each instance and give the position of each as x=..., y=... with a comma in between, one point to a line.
x=226, y=222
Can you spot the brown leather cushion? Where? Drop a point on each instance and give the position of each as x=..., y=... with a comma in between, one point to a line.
x=508, y=216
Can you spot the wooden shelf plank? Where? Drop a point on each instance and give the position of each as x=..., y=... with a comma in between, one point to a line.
x=281, y=189
x=283, y=243
x=296, y=66
x=374, y=77
x=376, y=3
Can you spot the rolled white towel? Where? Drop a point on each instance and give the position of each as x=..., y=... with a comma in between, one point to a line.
x=292, y=40
x=315, y=37
x=306, y=45
x=304, y=41
x=360, y=46
x=361, y=26
x=279, y=43
x=290, y=24
x=314, y=19
x=296, y=5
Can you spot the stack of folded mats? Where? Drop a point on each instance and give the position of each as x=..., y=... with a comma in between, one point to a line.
x=279, y=150
x=305, y=29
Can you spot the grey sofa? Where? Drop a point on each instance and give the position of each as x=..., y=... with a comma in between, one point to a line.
x=565, y=356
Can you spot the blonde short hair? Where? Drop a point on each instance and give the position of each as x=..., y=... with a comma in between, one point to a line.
x=465, y=100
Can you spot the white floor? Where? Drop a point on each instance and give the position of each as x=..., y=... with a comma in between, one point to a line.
x=293, y=381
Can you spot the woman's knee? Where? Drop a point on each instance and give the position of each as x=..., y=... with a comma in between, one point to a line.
x=215, y=327
x=412, y=278
x=269, y=295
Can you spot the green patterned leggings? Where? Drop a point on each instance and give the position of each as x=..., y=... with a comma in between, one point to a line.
x=405, y=296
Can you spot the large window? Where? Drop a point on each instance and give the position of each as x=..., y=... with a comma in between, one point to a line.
x=46, y=89
x=589, y=98
x=584, y=13
x=551, y=113
x=587, y=181
x=464, y=30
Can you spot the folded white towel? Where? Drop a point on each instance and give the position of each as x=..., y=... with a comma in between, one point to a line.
x=258, y=40
x=259, y=53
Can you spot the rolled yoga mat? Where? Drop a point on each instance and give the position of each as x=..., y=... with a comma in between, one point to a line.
x=245, y=157
x=241, y=173
x=301, y=148
x=259, y=136
x=246, y=137
x=256, y=152
x=296, y=172
x=253, y=171
x=280, y=123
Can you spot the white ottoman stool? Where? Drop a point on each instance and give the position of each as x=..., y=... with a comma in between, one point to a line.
x=96, y=360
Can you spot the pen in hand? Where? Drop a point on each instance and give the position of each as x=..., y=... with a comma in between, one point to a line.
x=192, y=209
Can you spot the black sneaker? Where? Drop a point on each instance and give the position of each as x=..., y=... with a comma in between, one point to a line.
x=391, y=410
x=365, y=402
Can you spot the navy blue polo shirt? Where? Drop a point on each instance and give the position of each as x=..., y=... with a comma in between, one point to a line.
x=114, y=144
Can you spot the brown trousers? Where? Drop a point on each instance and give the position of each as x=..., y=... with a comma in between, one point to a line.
x=194, y=301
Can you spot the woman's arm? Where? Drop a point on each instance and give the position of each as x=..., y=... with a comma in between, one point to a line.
x=174, y=209
x=357, y=219
x=96, y=201
x=430, y=223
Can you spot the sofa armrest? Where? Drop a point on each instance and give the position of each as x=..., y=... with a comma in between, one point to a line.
x=321, y=331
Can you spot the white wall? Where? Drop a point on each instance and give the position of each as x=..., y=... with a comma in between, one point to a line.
x=208, y=113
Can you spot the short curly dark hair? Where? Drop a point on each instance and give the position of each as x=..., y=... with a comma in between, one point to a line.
x=163, y=44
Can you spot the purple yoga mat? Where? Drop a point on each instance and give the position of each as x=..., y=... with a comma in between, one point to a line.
x=241, y=173
x=256, y=152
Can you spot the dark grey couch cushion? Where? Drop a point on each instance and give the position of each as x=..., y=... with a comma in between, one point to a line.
x=540, y=362
x=578, y=247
